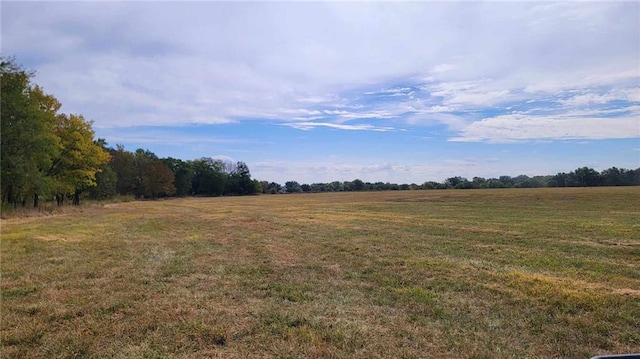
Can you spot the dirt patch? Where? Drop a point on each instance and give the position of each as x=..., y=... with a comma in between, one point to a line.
x=627, y=291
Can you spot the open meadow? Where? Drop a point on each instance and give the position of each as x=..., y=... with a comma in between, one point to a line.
x=529, y=273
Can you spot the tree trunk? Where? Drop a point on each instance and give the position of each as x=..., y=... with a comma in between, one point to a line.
x=9, y=196
x=35, y=201
x=59, y=199
x=76, y=198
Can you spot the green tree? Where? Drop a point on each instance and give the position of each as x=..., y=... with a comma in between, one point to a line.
x=209, y=177
x=631, y=177
x=336, y=186
x=610, y=177
x=453, y=182
x=258, y=186
x=357, y=185
x=274, y=188
x=265, y=186
x=27, y=142
x=43, y=152
x=479, y=182
x=560, y=180
x=585, y=177
x=123, y=164
x=106, y=178
x=292, y=187
x=240, y=181
x=141, y=160
x=106, y=183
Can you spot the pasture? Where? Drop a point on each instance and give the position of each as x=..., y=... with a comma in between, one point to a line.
x=531, y=273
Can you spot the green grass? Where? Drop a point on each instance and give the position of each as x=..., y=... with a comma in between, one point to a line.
x=467, y=274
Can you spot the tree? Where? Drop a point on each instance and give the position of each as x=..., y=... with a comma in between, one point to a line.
x=522, y=181
x=209, y=177
x=453, y=182
x=106, y=183
x=141, y=162
x=336, y=186
x=293, y=187
x=560, y=180
x=106, y=178
x=80, y=158
x=631, y=177
x=464, y=184
x=157, y=180
x=152, y=177
x=258, y=186
x=123, y=164
x=183, y=175
x=478, y=182
x=27, y=142
x=43, y=152
x=274, y=188
x=357, y=185
x=586, y=177
x=319, y=187
x=265, y=186
x=507, y=181
x=240, y=182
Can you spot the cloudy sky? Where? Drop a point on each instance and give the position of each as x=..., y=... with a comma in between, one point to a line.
x=323, y=91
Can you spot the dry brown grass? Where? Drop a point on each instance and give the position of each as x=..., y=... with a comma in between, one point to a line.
x=472, y=274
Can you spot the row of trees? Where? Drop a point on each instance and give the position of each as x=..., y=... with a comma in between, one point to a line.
x=44, y=153
x=143, y=175
x=581, y=177
x=50, y=155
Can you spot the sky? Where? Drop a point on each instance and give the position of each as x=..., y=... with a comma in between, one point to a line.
x=402, y=92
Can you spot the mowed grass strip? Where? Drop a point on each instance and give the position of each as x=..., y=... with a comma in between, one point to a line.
x=466, y=274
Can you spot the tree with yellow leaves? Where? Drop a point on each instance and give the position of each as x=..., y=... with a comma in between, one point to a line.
x=42, y=152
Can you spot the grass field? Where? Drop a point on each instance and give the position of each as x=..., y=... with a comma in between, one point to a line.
x=460, y=274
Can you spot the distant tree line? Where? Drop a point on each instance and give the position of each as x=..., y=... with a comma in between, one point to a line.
x=581, y=177
x=144, y=175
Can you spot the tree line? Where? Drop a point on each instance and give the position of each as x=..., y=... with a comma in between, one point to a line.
x=581, y=177
x=49, y=155
x=144, y=175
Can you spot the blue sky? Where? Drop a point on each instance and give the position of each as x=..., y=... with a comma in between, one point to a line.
x=322, y=91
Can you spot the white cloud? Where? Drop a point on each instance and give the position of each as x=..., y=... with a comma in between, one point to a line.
x=398, y=91
x=121, y=65
x=150, y=136
x=223, y=158
x=381, y=114
x=586, y=99
x=359, y=127
x=517, y=127
x=442, y=68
